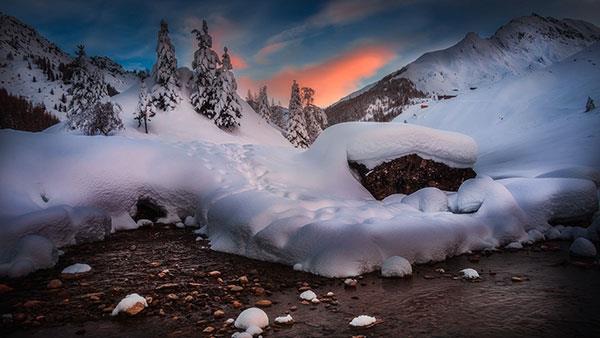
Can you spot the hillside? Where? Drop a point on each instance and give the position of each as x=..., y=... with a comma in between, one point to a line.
x=521, y=46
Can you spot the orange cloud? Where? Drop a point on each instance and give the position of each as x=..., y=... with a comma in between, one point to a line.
x=263, y=53
x=331, y=79
x=238, y=62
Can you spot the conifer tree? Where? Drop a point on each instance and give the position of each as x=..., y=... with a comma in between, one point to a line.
x=165, y=92
x=103, y=119
x=296, y=128
x=227, y=107
x=145, y=108
x=205, y=87
x=264, y=110
x=315, y=117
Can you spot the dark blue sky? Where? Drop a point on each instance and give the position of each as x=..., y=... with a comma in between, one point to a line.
x=348, y=43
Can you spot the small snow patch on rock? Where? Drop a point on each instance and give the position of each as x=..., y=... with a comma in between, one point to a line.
x=252, y=317
x=284, y=319
x=514, y=246
x=144, y=222
x=469, y=274
x=362, y=320
x=308, y=295
x=583, y=247
x=396, y=266
x=132, y=304
x=77, y=268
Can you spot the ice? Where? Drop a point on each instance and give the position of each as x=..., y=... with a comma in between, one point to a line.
x=284, y=319
x=428, y=200
x=128, y=302
x=583, y=247
x=77, y=268
x=123, y=221
x=308, y=295
x=362, y=320
x=252, y=318
x=469, y=273
x=396, y=266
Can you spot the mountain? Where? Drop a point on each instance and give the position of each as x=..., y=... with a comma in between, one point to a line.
x=33, y=67
x=521, y=46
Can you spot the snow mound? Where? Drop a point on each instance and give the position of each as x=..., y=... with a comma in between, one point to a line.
x=129, y=302
x=583, y=247
x=428, y=200
x=362, y=320
x=252, y=318
x=374, y=143
x=396, y=266
x=469, y=273
x=29, y=253
x=77, y=268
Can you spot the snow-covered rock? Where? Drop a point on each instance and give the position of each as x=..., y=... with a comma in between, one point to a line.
x=428, y=200
x=514, y=246
x=190, y=221
x=144, y=223
x=132, y=304
x=469, y=273
x=252, y=318
x=284, y=319
x=77, y=268
x=123, y=221
x=396, y=266
x=534, y=235
x=583, y=247
x=29, y=253
x=308, y=295
x=362, y=320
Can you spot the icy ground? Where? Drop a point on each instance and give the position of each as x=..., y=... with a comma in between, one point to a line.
x=266, y=202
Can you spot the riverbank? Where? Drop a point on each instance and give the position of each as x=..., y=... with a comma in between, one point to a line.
x=191, y=290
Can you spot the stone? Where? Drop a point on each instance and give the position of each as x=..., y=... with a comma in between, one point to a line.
x=235, y=288
x=243, y=280
x=350, y=283
x=219, y=314
x=214, y=273
x=5, y=289
x=263, y=303
x=208, y=329
x=172, y=296
x=135, y=309
x=236, y=304
x=54, y=284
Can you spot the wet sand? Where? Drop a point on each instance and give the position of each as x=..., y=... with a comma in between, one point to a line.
x=552, y=296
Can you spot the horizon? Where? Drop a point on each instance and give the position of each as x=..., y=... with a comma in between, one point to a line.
x=350, y=43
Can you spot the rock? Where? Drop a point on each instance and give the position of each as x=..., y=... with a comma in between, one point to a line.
x=315, y=301
x=179, y=225
x=252, y=317
x=440, y=270
x=190, y=221
x=5, y=289
x=75, y=269
x=144, y=223
x=219, y=314
x=330, y=294
x=235, y=288
x=583, y=247
x=308, y=295
x=286, y=320
x=31, y=303
x=172, y=296
x=208, y=329
x=236, y=304
x=407, y=174
x=427, y=200
x=229, y=321
x=518, y=279
x=167, y=286
x=132, y=304
x=469, y=274
x=363, y=321
x=263, y=303
x=396, y=266
x=214, y=273
x=258, y=291
x=514, y=246
x=350, y=283
x=243, y=280
x=188, y=298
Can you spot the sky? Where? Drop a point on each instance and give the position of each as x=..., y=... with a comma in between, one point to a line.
x=335, y=47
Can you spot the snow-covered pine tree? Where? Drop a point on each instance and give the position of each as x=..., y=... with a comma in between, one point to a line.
x=264, y=110
x=88, y=88
x=165, y=92
x=145, y=108
x=103, y=119
x=296, y=128
x=315, y=117
x=251, y=100
x=228, y=108
x=205, y=88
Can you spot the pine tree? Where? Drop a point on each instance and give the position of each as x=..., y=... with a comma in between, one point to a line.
x=145, y=108
x=315, y=117
x=264, y=110
x=88, y=88
x=227, y=107
x=205, y=88
x=165, y=92
x=103, y=119
x=296, y=128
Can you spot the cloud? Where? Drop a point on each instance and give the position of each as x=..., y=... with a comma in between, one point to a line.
x=335, y=13
x=331, y=79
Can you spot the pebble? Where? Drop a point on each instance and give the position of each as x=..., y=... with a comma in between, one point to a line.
x=208, y=329
x=243, y=280
x=351, y=283
x=330, y=294
x=440, y=270
x=219, y=314
x=236, y=288
x=5, y=288
x=54, y=284
x=236, y=304
x=258, y=291
x=214, y=273
x=172, y=296
x=188, y=298
x=31, y=303
x=518, y=279
x=263, y=303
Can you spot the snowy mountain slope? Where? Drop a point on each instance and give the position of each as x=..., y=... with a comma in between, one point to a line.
x=25, y=54
x=527, y=125
x=522, y=45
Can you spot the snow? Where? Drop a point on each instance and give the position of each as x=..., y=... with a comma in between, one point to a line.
x=284, y=319
x=77, y=268
x=396, y=266
x=27, y=254
x=308, y=295
x=362, y=320
x=128, y=302
x=469, y=273
x=428, y=200
x=252, y=318
x=514, y=246
x=190, y=221
x=583, y=247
